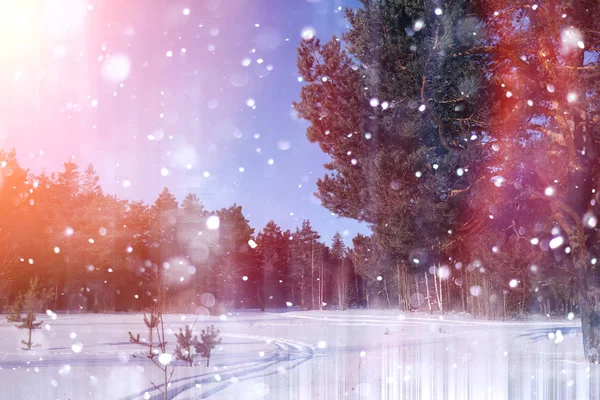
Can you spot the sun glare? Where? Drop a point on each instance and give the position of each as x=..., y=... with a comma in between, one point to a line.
x=25, y=23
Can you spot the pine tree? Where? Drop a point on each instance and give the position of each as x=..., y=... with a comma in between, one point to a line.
x=232, y=257
x=304, y=262
x=90, y=186
x=366, y=258
x=273, y=265
x=16, y=224
x=69, y=179
x=192, y=238
x=209, y=339
x=341, y=271
x=542, y=62
x=397, y=116
x=190, y=222
x=28, y=303
x=163, y=227
x=157, y=352
x=186, y=345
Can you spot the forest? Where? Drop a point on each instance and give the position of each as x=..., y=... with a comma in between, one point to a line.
x=98, y=253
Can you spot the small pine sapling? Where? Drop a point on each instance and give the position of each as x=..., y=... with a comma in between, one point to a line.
x=27, y=322
x=157, y=353
x=151, y=321
x=28, y=303
x=186, y=345
x=209, y=339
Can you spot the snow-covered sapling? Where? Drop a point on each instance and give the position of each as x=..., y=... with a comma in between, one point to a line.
x=27, y=304
x=209, y=339
x=186, y=345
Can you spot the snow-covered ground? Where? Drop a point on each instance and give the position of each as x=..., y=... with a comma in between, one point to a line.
x=306, y=355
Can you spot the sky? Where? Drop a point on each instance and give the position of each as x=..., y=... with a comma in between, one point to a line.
x=194, y=95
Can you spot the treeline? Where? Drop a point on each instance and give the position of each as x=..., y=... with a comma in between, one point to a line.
x=100, y=253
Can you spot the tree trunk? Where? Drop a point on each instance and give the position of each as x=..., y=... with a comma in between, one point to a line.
x=302, y=291
x=343, y=289
x=358, y=299
x=339, y=290
x=427, y=288
x=449, y=302
x=321, y=287
x=166, y=387
x=56, y=294
x=260, y=296
x=399, y=285
x=387, y=296
x=417, y=285
x=312, y=275
x=504, y=303
x=589, y=310
x=438, y=291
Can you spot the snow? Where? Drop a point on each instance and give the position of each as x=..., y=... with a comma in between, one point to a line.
x=305, y=355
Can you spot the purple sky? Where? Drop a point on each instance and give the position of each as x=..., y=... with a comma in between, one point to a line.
x=93, y=79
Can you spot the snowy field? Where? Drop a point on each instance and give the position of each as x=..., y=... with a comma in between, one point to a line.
x=306, y=355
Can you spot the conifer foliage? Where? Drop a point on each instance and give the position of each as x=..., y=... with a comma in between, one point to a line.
x=454, y=125
x=186, y=345
x=23, y=309
x=209, y=339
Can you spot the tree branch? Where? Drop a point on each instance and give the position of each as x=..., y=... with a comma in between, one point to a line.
x=554, y=136
x=424, y=100
x=575, y=232
x=494, y=49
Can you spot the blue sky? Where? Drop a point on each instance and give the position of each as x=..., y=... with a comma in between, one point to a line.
x=211, y=82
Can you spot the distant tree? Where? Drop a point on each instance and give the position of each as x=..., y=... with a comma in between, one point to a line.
x=68, y=181
x=130, y=277
x=101, y=220
x=232, y=256
x=163, y=227
x=341, y=271
x=191, y=224
x=304, y=262
x=367, y=260
x=58, y=209
x=192, y=237
x=15, y=228
x=90, y=183
x=273, y=264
